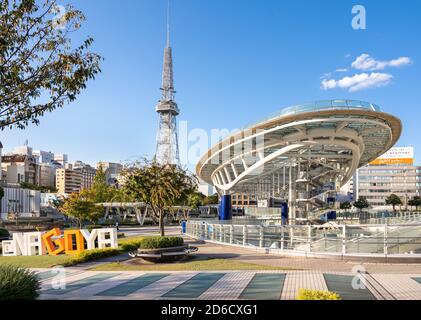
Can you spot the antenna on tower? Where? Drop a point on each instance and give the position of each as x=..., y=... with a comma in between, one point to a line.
x=168, y=24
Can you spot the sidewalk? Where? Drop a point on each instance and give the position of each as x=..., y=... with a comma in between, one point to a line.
x=232, y=285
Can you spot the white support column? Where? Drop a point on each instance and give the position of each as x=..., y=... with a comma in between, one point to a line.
x=213, y=232
x=244, y=163
x=261, y=236
x=227, y=174
x=234, y=169
x=231, y=234
x=344, y=239
x=221, y=230
x=222, y=177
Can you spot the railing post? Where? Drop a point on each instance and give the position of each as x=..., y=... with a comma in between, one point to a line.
x=202, y=231
x=344, y=239
x=213, y=232
x=221, y=230
x=244, y=235
x=309, y=239
x=385, y=240
x=261, y=237
x=231, y=234
x=282, y=238
x=206, y=231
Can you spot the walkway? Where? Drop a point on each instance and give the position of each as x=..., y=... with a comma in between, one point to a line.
x=231, y=285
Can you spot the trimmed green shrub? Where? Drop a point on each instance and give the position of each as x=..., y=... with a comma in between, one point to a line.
x=305, y=294
x=93, y=226
x=90, y=255
x=130, y=245
x=160, y=242
x=4, y=233
x=18, y=283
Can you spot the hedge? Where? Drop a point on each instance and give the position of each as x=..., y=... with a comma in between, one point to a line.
x=130, y=245
x=90, y=255
x=159, y=242
x=93, y=226
x=305, y=294
x=18, y=283
x=4, y=233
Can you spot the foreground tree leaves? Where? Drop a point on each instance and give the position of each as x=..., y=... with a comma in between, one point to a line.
x=39, y=69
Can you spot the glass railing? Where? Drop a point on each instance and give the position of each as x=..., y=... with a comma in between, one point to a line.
x=321, y=105
x=334, y=239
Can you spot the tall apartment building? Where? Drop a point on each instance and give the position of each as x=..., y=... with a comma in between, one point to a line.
x=68, y=180
x=88, y=173
x=47, y=175
x=394, y=172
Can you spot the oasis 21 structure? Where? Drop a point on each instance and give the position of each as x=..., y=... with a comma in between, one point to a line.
x=167, y=151
x=299, y=157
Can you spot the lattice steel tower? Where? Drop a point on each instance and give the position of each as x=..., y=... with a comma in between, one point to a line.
x=167, y=138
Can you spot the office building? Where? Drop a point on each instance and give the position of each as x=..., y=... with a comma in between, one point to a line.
x=392, y=173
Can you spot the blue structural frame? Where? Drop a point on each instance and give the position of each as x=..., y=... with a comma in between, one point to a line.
x=225, y=208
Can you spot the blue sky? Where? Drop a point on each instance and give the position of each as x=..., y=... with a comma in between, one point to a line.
x=236, y=61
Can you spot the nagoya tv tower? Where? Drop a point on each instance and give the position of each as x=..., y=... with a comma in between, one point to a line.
x=167, y=138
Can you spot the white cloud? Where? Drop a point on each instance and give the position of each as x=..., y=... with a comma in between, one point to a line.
x=358, y=82
x=366, y=62
x=342, y=70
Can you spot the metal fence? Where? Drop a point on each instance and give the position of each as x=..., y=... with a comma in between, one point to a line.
x=335, y=239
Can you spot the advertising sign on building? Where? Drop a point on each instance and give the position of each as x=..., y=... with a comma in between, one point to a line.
x=401, y=155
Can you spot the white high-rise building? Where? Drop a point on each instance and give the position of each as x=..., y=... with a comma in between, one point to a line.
x=392, y=173
x=43, y=156
x=61, y=158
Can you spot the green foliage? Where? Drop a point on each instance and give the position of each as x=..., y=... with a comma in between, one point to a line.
x=18, y=283
x=131, y=245
x=415, y=202
x=345, y=205
x=195, y=199
x=159, y=186
x=213, y=199
x=40, y=70
x=4, y=233
x=393, y=200
x=161, y=242
x=80, y=207
x=90, y=255
x=100, y=191
x=305, y=294
x=30, y=186
x=361, y=203
x=93, y=226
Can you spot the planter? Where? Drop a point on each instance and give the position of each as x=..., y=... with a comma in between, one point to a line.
x=171, y=254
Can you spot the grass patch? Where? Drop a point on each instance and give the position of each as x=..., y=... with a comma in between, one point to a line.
x=198, y=265
x=35, y=261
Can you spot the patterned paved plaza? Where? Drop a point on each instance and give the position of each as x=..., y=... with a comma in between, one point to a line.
x=231, y=285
